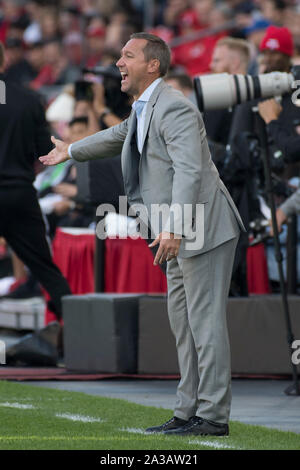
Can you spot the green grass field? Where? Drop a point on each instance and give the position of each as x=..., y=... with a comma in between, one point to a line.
x=38, y=418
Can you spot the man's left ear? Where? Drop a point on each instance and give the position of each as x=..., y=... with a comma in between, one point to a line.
x=154, y=66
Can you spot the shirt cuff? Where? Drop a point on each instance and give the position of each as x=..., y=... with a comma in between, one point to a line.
x=70, y=151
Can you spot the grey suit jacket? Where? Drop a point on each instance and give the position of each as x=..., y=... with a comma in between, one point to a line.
x=175, y=169
x=292, y=204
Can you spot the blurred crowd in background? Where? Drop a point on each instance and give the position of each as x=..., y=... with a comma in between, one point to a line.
x=54, y=46
x=49, y=42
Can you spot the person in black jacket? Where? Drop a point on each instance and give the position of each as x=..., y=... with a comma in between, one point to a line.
x=276, y=51
x=285, y=137
x=24, y=135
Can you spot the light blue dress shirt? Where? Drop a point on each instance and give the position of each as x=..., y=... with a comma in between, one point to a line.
x=141, y=109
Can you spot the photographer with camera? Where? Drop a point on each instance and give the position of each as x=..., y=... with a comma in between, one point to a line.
x=276, y=52
x=98, y=97
x=90, y=102
x=288, y=140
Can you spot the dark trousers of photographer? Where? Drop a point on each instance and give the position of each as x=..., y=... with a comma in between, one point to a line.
x=23, y=227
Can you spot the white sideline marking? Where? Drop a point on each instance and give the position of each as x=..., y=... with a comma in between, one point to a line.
x=17, y=405
x=214, y=444
x=81, y=418
x=134, y=430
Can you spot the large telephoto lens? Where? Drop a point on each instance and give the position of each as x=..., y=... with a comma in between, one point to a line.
x=221, y=90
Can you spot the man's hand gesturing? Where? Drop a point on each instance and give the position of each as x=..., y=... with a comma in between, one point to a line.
x=58, y=155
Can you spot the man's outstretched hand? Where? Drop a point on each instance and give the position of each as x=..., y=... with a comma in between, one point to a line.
x=58, y=155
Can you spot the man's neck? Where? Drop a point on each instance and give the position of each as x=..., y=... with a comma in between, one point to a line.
x=144, y=88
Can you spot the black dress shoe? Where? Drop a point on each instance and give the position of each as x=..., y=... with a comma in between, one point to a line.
x=173, y=423
x=199, y=427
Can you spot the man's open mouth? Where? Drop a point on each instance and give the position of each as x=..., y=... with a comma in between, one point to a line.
x=124, y=76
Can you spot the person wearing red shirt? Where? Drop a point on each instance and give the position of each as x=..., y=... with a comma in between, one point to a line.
x=195, y=56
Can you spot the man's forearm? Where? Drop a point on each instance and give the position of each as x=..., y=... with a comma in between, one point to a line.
x=106, y=143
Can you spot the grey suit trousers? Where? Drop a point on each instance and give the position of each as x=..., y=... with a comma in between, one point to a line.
x=197, y=296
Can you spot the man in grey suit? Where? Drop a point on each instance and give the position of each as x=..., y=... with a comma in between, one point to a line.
x=166, y=161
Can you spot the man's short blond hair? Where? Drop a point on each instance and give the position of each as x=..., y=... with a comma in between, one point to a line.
x=235, y=44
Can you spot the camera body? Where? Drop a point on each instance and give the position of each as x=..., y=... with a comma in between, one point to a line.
x=83, y=91
x=110, y=78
